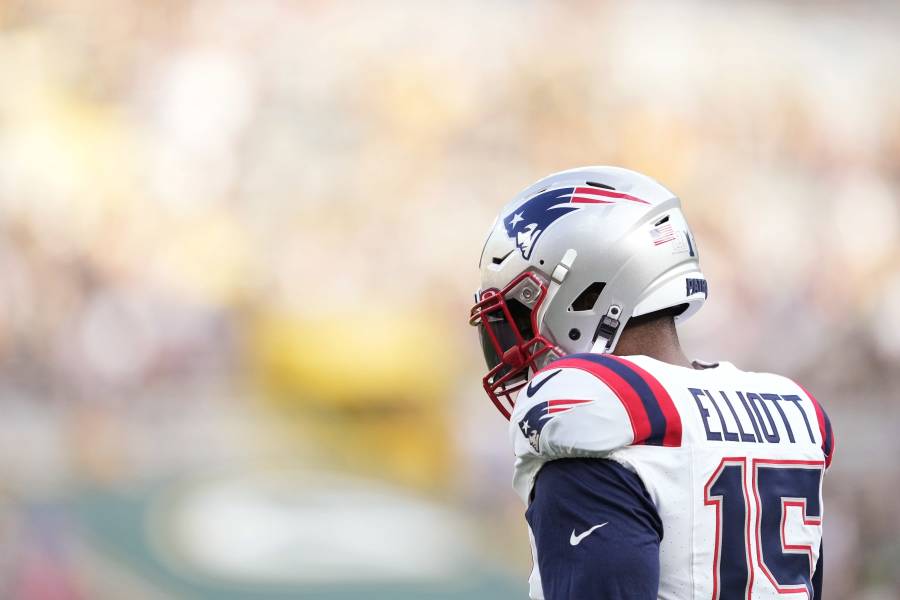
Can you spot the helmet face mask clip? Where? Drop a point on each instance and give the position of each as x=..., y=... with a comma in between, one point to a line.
x=607, y=328
x=507, y=325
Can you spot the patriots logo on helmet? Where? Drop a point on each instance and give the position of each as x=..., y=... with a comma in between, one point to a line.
x=531, y=219
x=540, y=414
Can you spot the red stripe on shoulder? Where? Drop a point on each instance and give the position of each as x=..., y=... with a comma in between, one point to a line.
x=824, y=427
x=673, y=418
x=640, y=423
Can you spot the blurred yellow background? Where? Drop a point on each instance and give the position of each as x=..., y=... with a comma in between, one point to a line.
x=238, y=244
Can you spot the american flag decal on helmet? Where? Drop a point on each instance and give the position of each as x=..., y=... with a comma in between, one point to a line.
x=662, y=234
x=540, y=414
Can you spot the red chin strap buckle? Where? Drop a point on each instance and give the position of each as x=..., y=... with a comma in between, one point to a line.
x=514, y=357
x=503, y=389
x=511, y=374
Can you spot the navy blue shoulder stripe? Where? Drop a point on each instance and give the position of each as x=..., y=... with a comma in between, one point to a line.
x=662, y=419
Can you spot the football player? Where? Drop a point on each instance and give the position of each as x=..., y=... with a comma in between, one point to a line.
x=645, y=474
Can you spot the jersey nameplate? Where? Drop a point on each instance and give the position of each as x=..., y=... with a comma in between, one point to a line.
x=751, y=417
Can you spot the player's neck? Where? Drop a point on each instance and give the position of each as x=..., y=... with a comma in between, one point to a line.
x=656, y=338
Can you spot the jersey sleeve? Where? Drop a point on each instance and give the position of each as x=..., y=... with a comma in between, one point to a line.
x=819, y=576
x=589, y=405
x=825, y=430
x=595, y=533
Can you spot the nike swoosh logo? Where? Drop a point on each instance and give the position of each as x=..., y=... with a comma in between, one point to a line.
x=532, y=388
x=576, y=539
x=499, y=259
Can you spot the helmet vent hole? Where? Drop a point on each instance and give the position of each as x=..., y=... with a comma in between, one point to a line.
x=601, y=185
x=588, y=298
x=665, y=219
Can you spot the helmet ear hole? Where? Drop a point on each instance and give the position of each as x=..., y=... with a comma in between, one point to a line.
x=588, y=297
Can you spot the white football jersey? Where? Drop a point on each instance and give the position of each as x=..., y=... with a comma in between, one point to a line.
x=732, y=460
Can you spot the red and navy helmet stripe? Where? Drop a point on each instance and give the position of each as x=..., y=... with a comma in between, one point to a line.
x=824, y=428
x=654, y=418
x=588, y=195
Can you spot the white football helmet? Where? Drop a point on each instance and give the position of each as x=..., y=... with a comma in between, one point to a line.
x=569, y=261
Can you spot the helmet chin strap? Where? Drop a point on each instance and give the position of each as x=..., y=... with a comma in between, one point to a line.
x=556, y=279
x=600, y=346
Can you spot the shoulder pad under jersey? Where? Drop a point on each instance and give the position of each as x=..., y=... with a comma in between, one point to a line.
x=592, y=404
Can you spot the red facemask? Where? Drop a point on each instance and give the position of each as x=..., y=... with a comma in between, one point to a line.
x=507, y=325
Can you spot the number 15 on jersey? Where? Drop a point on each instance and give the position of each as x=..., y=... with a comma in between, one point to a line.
x=767, y=514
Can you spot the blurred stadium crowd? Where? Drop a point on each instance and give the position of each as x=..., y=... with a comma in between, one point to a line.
x=238, y=245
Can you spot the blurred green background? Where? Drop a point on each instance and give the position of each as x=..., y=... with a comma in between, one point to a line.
x=238, y=244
